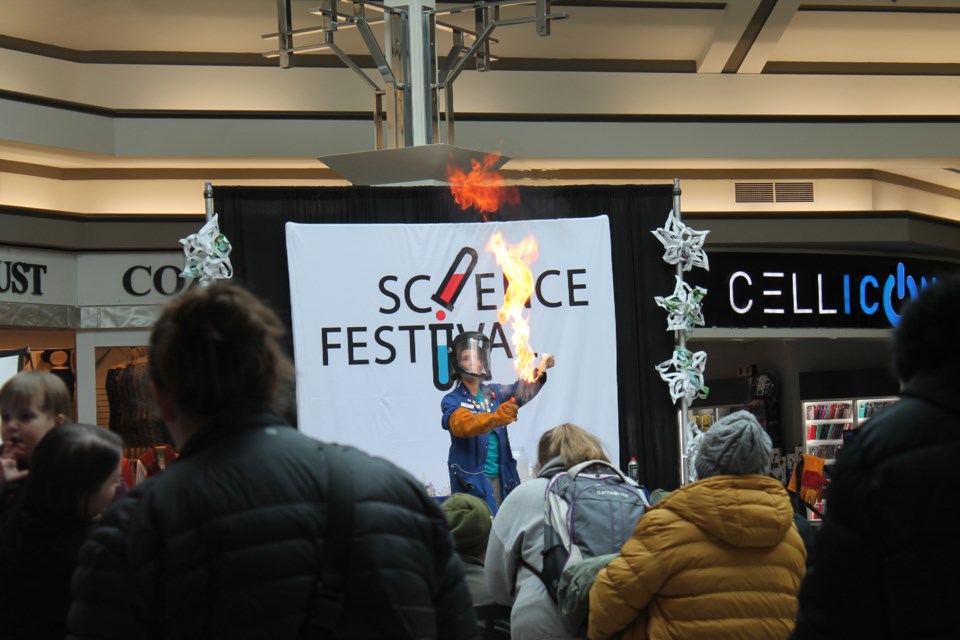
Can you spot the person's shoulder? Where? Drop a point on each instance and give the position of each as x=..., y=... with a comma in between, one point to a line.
x=525, y=501
x=910, y=424
x=454, y=397
x=374, y=477
x=117, y=520
x=534, y=488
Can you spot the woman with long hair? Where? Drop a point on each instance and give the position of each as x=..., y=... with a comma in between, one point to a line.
x=74, y=473
x=515, y=549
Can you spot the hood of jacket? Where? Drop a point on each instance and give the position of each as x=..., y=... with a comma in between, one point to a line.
x=551, y=468
x=742, y=510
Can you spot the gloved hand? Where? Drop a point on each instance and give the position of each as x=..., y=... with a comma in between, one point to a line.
x=464, y=424
x=506, y=413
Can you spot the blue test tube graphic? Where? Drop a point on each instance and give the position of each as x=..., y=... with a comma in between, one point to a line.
x=441, y=362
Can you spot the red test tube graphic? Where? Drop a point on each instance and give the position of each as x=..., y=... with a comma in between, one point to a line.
x=453, y=283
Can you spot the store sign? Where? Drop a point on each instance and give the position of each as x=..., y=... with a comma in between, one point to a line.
x=109, y=279
x=45, y=277
x=811, y=290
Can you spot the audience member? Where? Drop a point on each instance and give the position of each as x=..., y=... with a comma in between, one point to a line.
x=476, y=414
x=470, y=521
x=259, y=531
x=717, y=558
x=31, y=404
x=514, y=553
x=73, y=473
x=885, y=563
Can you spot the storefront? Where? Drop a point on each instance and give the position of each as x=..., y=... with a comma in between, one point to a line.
x=818, y=323
x=86, y=317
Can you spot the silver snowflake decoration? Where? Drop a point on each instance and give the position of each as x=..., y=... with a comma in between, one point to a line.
x=684, y=307
x=682, y=245
x=683, y=374
x=207, y=254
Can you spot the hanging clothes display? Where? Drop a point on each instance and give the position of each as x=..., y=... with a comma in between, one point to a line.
x=134, y=417
x=132, y=413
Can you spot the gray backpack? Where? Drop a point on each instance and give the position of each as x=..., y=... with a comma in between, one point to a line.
x=590, y=510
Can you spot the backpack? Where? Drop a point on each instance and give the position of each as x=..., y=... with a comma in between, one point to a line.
x=590, y=510
x=573, y=592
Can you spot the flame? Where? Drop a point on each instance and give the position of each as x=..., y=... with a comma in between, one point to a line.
x=482, y=188
x=515, y=261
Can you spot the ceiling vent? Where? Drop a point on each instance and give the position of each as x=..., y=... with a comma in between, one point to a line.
x=794, y=191
x=754, y=191
x=770, y=192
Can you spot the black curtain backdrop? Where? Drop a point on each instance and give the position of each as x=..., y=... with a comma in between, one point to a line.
x=253, y=220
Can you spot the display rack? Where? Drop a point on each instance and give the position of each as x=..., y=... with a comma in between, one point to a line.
x=824, y=423
x=867, y=408
x=828, y=424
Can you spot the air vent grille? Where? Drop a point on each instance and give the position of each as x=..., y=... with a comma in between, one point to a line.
x=754, y=191
x=769, y=192
x=794, y=191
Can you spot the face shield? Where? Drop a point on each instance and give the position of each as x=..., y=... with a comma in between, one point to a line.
x=470, y=355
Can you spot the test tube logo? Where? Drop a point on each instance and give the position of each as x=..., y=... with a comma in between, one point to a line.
x=442, y=379
x=446, y=296
x=453, y=283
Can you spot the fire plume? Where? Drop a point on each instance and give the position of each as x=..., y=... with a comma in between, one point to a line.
x=515, y=261
x=482, y=188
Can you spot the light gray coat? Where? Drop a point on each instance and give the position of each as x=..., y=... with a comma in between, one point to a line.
x=517, y=538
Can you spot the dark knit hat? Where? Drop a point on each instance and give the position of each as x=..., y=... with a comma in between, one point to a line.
x=470, y=521
x=735, y=445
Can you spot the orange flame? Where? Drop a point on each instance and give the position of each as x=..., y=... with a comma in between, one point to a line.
x=515, y=261
x=482, y=188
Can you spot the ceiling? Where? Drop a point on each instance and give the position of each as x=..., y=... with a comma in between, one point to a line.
x=732, y=45
x=744, y=36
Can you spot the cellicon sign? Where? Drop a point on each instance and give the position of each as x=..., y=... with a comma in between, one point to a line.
x=799, y=290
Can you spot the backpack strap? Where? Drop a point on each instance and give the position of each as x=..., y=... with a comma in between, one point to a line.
x=796, y=496
x=328, y=595
x=532, y=570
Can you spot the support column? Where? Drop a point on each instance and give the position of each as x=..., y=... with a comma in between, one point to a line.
x=411, y=48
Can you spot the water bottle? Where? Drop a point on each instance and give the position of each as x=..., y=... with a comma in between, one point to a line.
x=633, y=470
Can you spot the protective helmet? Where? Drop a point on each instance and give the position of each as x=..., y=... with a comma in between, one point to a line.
x=470, y=355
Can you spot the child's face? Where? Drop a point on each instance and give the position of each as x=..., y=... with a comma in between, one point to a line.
x=100, y=500
x=25, y=425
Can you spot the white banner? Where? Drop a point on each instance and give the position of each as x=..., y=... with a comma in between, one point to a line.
x=374, y=307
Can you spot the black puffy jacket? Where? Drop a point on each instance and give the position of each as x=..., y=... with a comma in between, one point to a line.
x=227, y=542
x=886, y=563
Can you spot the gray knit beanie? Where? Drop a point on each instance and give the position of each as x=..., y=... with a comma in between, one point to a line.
x=735, y=445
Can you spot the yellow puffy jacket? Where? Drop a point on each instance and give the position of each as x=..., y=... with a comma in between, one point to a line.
x=718, y=558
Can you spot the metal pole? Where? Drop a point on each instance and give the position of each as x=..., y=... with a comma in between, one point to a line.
x=680, y=340
x=208, y=197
